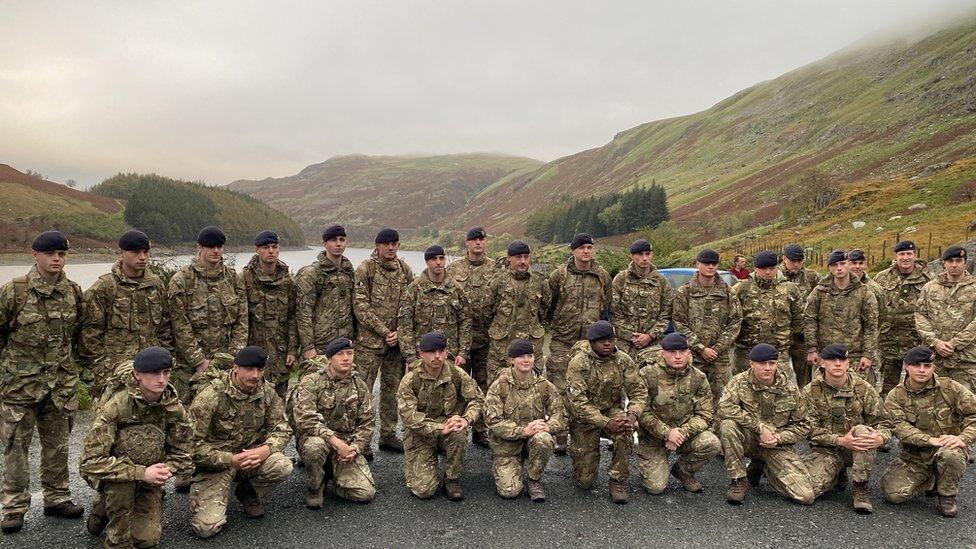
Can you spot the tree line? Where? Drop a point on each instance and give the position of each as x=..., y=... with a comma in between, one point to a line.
x=605, y=215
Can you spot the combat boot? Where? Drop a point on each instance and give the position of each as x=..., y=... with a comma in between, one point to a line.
x=97, y=519
x=391, y=444
x=841, y=480
x=562, y=443
x=687, y=480
x=862, y=499
x=12, y=522
x=315, y=497
x=480, y=438
x=65, y=509
x=368, y=454
x=947, y=506
x=182, y=482
x=737, y=491
x=618, y=492
x=249, y=500
x=754, y=472
x=453, y=490
x=536, y=492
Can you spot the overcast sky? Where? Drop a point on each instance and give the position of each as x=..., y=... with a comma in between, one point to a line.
x=218, y=91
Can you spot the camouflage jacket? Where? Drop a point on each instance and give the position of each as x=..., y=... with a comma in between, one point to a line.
x=209, y=312
x=772, y=312
x=848, y=316
x=942, y=407
x=898, y=301
x=379, y=287
x=834, y=412
x=325, y=407
x=519, y=302
x=806, y=279
x=425, y=402
x=426, y=306
x=475, y=278
x=596, y=386
x=640, y=304
x=325, y=302
x=227, y=421
x=708, y=316
x=271, y=304
x=780, y=408
x=128, y=433
x=681, y=400
x=947, y=311
x=39, y=326
x=511, y=404
x=578, y=299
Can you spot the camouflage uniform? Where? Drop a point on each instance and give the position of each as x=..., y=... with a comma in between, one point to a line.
x=847, y=316
x=122, y=316
x=746, y=408
x=379, y=286
x=209, y=312
x=834, y=412
x=510, y=405
x=772, y=313
x=639, y=304
x=806, y=280
x=39, y=323
x=519, y=302
x=675, y=400
x=942, y=407
x=321, y=408
x=897, y=324
x=325, y=296
x=597, y=386
x=271, y=305
x=475, y=279
x=227, y=421
x=947, y=311
x=425, y=402
x=127, y=435
x=426, y=307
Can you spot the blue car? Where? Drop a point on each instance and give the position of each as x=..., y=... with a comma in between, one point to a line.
x=677, y=277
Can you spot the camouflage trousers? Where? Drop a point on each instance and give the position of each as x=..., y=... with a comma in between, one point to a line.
x=801, y=368
x=907, y=477
x=963, y=372
x=352, y=481
x=135, y=514
x=783, y=467
x=871, y=374
x=824, y=465
x=498, y=355
x=477, y=368
x=389, y=367
x=507, y=457
x=210, y=489
x=892, y=355
x=17, y=430
x=740, y=362
x=180, y=378
x=557, y=364
x=585, y=452
x=420, y=460
x=652, y=458
x=716, y=372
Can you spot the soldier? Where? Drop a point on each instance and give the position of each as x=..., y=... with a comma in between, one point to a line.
x=125, y=311
x=935, y=419
x=841, y=309
x=325, y=295
x=600, y=378
x=772, y=312
x=380, y=283
x=677, y=417
x=640, y=302
x=901, y=285
x=40, y=317
x=806, y=279
x=138, y=439
x=762, y=416
x=239, y=431
x=332, y=414
x=847, y=425
x=857, y=264
x=710, y=317
x=523, y=411
x=438, y=402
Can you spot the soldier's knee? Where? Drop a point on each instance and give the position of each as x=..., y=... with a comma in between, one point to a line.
x=360, y=494
x=951, y=459
x=277, y=467
x=861, y=430
x=895, y=496
x=509, y=490
x=543, y=440
x=728, y=429
x=314, y=449
x=655, y=485
x=205, y=530
x=709, y=443
x=804, y=495
x=423, y=490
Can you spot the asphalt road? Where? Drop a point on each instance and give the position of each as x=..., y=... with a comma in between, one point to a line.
x=570, y=517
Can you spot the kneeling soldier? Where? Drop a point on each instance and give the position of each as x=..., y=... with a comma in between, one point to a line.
x=138, y=439
x=524, y=412
x=332, y=413
x=676, y=418
x=935, y=420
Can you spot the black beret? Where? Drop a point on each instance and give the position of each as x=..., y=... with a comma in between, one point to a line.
x=918, y=355
x=763, y=352
x=765, y=259
x=332, y=232
x=600, y=329
x=520, y=347
x=433, y=341
x=834, y=351
x=252, y=357
x=337, y=345
x=386, y=236
x=954, y=251
x=580, y=240
x=152, y=359
x=266, y=237
x=905, y=246
x=794, y=252
x=641, y=245
x=211, y=237
x=50, y=241
x=674, y=342
x=707, y=256
x=133, y=241
x=855, y=255
x=475, y=232
x=432, y=252
x=836, y=256
x=518, y=247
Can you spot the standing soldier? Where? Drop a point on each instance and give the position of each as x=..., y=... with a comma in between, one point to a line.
x=841, y=309
x=138, y=439
x=325, y=296
x=772, y=312
x=935, y=420
x=806, y=279
x=600, y=378
x=380, y=283
x=707, y=313
x=438, y=403
x=640, y=301
x=125, y=311
x=40, y=318
x=523, y=411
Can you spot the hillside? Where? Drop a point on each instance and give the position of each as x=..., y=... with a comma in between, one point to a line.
x=365, y=193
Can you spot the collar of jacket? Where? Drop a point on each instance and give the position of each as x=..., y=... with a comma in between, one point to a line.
x=673, y=372
x=932, y=383
x=327, y=265
x=168, y=400
x=426, y=284
x=827, y=283
x=697, y=289
x=236, y=394
x=772, y=283
x=208, y=274
x=593, y=270
x=147, y=279
x=388, y=264
x=280, y=274
x=443, y=377
x=39, y=285
x=648, y=278
x=514, y=381
x=966, y=280
x=845, y=390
